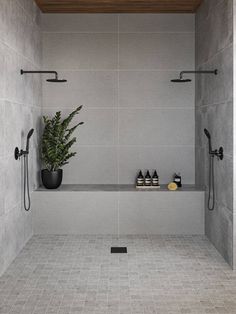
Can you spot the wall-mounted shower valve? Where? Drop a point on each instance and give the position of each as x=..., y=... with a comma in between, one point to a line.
x=18, y=153
x=218, y=153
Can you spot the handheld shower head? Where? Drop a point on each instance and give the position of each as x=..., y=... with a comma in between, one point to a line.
x=28, y=138
x=208, y=135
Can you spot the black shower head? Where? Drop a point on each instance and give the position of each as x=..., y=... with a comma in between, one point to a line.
x=208, y=135
x=56, y=81
x=28, y=138
x=181, y=75
x=181, y=80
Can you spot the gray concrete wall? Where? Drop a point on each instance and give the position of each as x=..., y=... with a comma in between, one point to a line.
x=20, y=110
x=214, y=111
x=119, y=67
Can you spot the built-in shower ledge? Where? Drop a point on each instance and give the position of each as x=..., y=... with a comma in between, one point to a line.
x=115, y=188
x=117, y=209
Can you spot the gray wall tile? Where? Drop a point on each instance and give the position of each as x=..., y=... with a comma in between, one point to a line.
x=171, y=127
x=215, y=32
x=20, y=104
x=96, y=212
x=154, y=89
x=152, y=214
x=157, y=157
x=87, y=51
x=102, y=66
x=156, y=51
x=92, y=165
x=214, y=111
x=156, y=23
x=80, y=23
x=89, y=88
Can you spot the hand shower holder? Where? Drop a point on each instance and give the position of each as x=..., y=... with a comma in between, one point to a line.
x=18, y=153
x=219, y=153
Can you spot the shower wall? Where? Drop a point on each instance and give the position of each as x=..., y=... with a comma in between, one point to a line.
x=20, y=109
x=119, y=67
x=214, y=111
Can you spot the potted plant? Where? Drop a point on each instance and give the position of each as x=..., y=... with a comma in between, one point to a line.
x=55, y=147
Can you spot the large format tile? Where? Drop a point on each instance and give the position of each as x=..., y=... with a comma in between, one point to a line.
x=87, y=51
x=88, y=88
x=80, y=23
x=215, y=32
x=3, y=70
x=156, y=127
x=20, y=47
x=12, y=131
x=156, y=51
x=214, y=94
x=140, y=215
x=32, y=10
x=224, y=182
x=2, y=244
x=154, y=89
x=156, y=23
x=215, y=89
x=2, y=128
x=12, y=174
x=14, y=234
x=204, y=10
x=96, y=165
x=92, y=213
x=2, y=187
x=166, y=160
x=14, y=81
x=3, y=8
x=219, y=229
x=220, y=115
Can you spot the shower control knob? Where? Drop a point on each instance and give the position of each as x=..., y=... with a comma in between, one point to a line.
x=221, y=153
x=17, y=153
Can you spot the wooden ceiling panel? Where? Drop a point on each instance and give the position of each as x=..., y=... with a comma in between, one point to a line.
x=118, y=6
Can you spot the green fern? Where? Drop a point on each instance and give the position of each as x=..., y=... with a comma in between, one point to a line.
x=57, y=141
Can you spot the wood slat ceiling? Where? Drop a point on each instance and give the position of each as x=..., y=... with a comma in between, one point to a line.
x=118, y=6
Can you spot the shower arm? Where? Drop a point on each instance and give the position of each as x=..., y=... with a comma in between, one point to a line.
x=197, y=72
x=40, y=72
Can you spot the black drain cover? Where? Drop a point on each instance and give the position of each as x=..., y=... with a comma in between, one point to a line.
x=118, y=249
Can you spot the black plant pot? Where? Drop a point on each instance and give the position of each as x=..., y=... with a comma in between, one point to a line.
x=51, y=179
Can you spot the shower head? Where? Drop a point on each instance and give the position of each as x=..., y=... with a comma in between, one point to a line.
x=53, y=80
x=28, y=138
x=208, y=135
x=56, y=81
x=181, y=80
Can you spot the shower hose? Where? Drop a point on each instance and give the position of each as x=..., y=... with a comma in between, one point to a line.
x=211, y=192
x=26, y=184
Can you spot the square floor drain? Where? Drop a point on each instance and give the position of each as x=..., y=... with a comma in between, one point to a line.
x=118, y=249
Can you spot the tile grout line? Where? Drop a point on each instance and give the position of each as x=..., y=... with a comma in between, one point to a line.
x=124, y=108
x=19, y=53
x=115, y=32
x=118, y=122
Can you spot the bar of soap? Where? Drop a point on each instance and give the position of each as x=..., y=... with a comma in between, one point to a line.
x=172, y=186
